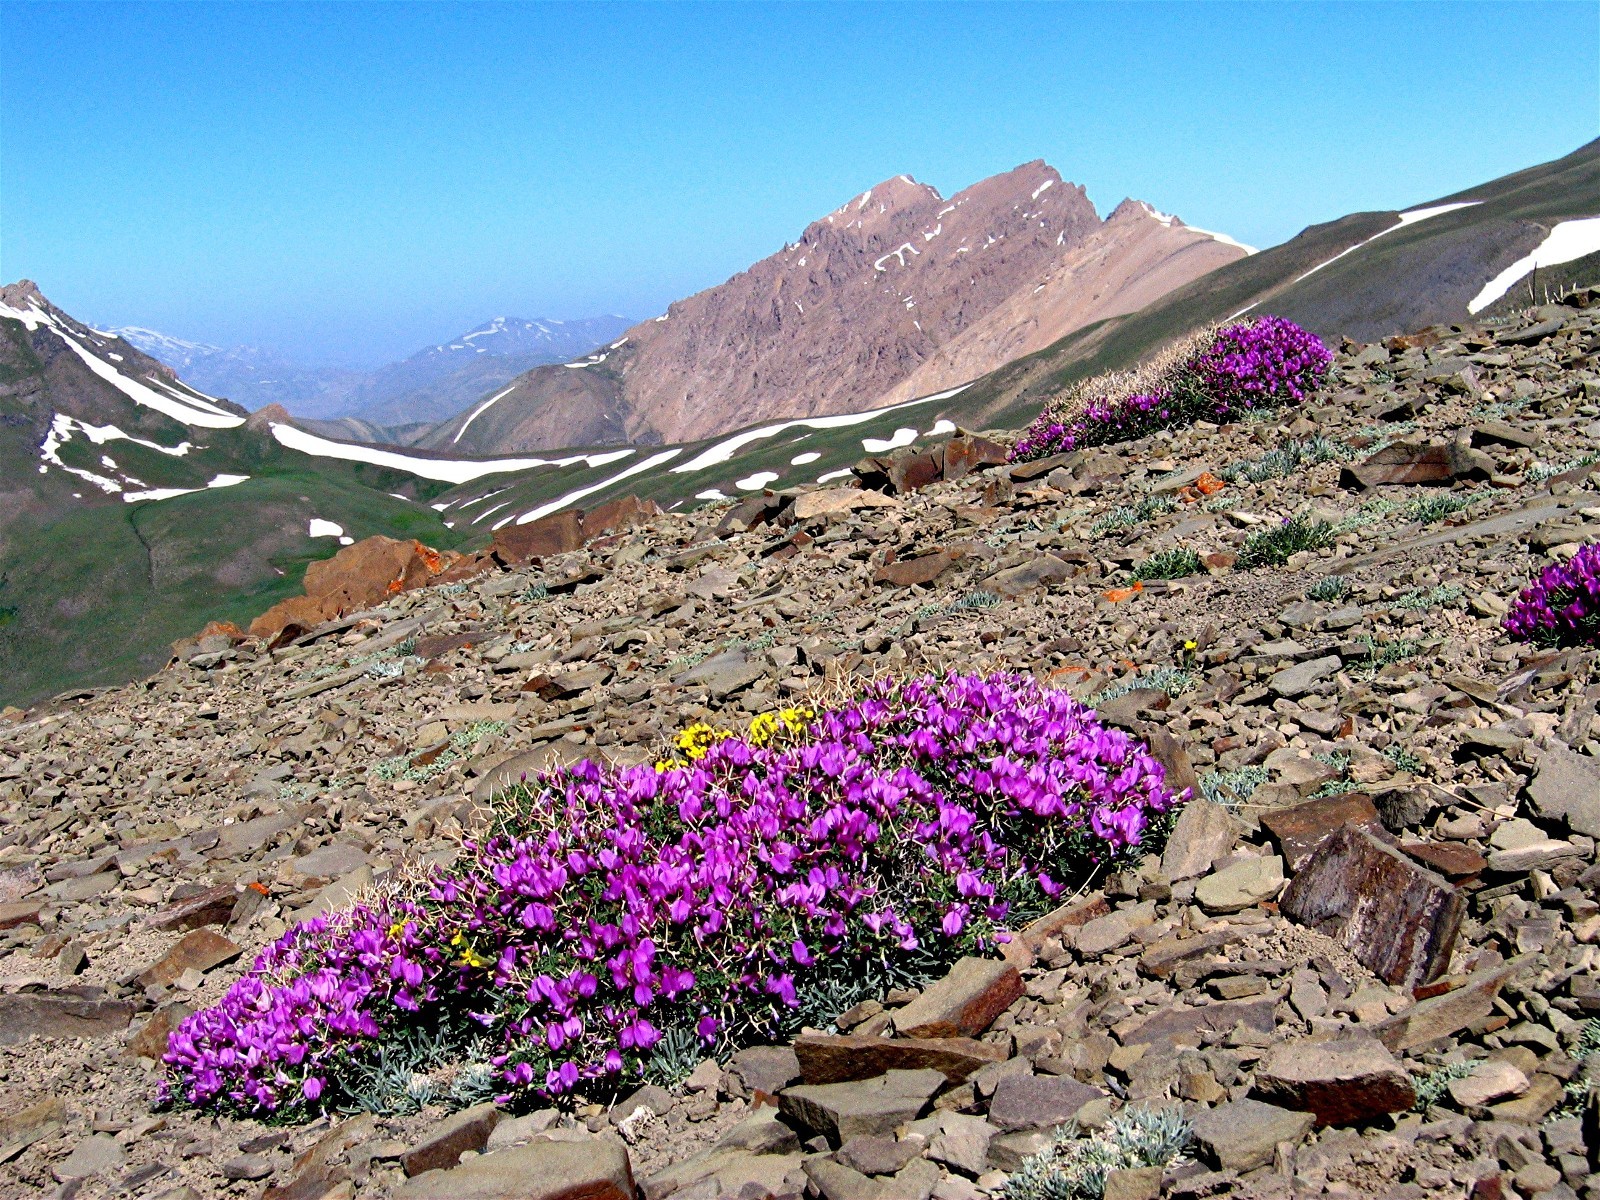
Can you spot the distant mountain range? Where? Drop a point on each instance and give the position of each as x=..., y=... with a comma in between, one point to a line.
x=898, y=292
x=431, y=385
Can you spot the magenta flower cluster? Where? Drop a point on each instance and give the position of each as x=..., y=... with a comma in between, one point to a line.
x=1268, y=362
x=612, y=904
x=1562, y=606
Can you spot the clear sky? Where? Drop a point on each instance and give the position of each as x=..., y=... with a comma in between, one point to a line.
x=349, y=182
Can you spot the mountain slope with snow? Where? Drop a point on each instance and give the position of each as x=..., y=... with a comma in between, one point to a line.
x=1364, y=276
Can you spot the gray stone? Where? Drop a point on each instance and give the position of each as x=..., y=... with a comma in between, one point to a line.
x=1204, y=832
x=767, y=1069
x=1241, y=885
x=1566, y=787
x=1302, y=677
x=839, y=1111
x=92, y=1156
x=1023, y=1102
x=1244, y=1134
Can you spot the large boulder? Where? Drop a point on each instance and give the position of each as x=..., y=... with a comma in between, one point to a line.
x=1399, y=920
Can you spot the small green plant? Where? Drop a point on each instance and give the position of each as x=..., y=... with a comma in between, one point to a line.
x=1286, y=459
x=1169, y=564
x=1385, y=654
x=1329, y=588
x=1174, y=681
x=407, y=648
x=1540, y=472
x=1274, y=545
x=1586, y=1053
x=1077, y=1166
x=1127, y=517
x=676, y=1055
x=1419, y=600
x=460, y=745
x=1235, y=787
x=1402, y=758
x=978, y=600
x=1340, y=784
x=1221, y=503
x=1429, y=509
x=534, y=593
x=1431, y=1088
x=1369, y=513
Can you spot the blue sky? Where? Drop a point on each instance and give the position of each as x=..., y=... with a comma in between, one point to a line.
x=347, y=182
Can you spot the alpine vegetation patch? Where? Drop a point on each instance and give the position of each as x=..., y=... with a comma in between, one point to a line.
x=1274, y=545
x=1562, y=606
x=1213, y=375
x=610, y=906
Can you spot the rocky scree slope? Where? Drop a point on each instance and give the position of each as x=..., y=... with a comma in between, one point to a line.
x=897, y=289
x=1364, y=964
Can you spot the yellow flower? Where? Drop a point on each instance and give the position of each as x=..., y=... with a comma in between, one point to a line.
x=397, y=930
x=764, y=727
x=469, y=956
x=698, y=738
x=1191, y=644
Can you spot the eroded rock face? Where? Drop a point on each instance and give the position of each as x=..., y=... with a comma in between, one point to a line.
x=595, y=1169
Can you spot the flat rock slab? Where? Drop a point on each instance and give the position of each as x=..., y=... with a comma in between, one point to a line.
x=1174, y=1026
x=1442, y=1015
x=1566, y=787
x=1299, y=830
x=767, y=1069
x=872, y=1107
x=1339, y=1082
x=592, y=1170
x=58, y=1014
x=1399, y=920
x=1244, y=1134
x=199, y=949
x=826, y=1058
x=1038, y=1101
x=1302, y=677
x=1204, y=832
x=1241, y=885
x=964, y=1003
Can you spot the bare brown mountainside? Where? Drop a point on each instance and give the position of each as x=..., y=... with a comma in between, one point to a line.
x=897, y=292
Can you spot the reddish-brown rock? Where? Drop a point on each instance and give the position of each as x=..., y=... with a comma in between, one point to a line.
x=200, y=949
x=1450, y=859
x=557, y=533
x=907, y=572
x=213, y=906
x=967, y=453
x=616, y=516
x=1399, y=920
x=962, y=1004
x=444, y=1144
x=828, y=1058
x=1340, y=1082
x=1410, y=463
x=1299, y=830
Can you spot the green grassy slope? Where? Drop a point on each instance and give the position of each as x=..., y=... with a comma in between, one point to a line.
x=96, y=594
